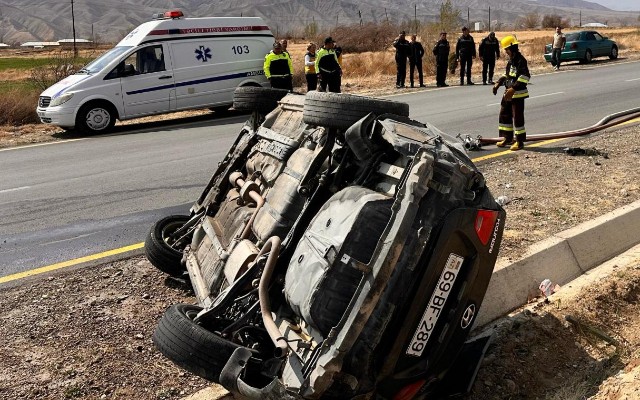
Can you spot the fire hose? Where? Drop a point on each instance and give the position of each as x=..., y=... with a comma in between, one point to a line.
x=606, y=122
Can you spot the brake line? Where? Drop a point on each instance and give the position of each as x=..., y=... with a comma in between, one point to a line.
x=606, y=122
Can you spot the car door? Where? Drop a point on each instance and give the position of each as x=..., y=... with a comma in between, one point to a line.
x=602, y=46
x=147, y=82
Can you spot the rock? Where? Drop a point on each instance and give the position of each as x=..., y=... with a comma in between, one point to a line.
x=139, y=336
x=510, y=385
x=146, y=296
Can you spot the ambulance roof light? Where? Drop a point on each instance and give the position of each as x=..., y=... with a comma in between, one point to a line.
x=173, y=14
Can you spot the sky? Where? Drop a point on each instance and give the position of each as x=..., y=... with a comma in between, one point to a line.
x=620, y=5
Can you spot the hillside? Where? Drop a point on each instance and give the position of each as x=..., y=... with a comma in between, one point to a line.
x=110, y=20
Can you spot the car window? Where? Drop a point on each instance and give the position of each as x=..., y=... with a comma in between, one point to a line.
x=591, y=36
x=572, y=37
x=598, y=36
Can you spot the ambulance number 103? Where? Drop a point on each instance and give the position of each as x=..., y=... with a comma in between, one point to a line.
x=240, y=49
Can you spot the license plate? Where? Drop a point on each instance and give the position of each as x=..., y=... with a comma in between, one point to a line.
x=436, y=304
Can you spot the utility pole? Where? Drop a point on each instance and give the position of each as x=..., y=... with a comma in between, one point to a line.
x=337, y=20
x=415, y=17
x=73, y=25
x=468, y=23
x=489, y=18
x=386, y=15
x=580, y=23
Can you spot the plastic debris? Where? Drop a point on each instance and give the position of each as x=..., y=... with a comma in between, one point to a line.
x=548, y=288
x=503, y=200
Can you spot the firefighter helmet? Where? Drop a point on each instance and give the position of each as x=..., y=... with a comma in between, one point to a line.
x=508, y=41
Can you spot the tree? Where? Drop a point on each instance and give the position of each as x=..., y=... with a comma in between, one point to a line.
x=311, y=30
x=551, y=21
x=449, y=17
x=530, y=21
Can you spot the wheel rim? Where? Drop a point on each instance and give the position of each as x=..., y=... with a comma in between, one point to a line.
x=98, y=118
x=169, y=230
x=614, y=52
x=588, y=56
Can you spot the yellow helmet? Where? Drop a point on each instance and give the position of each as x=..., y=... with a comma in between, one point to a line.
x=508, y=41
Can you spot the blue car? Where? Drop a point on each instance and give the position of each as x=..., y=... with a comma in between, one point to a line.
x=584, y=46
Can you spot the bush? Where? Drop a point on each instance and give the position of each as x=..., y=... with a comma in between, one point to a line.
x=18, y=106
x=58, y=67
x=362, y=38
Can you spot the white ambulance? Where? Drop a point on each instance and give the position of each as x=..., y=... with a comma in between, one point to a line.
x=168, y=64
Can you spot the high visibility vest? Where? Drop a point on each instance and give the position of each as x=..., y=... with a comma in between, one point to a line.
x=327, y=61
x=277, y=65
x=310, y=69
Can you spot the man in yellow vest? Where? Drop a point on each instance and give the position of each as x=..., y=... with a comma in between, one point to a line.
x=328, y=67
x=278, y=68
x=310, y=67
x=515, y=79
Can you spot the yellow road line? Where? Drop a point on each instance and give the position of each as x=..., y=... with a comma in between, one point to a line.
x=503, y=153
x=70, y=263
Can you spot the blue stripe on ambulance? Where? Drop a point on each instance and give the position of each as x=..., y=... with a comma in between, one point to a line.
x=198, y=81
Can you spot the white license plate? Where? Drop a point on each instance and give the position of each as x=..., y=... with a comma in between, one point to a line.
x=435, y=306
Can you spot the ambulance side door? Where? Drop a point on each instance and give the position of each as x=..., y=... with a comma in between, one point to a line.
x=147, y=82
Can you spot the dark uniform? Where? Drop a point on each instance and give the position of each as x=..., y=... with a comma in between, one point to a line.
x=489, y=50
x=515, y=79
x=465, y=53
x=441, y=52
x=415, y=60
x=278, y=68
x=328, y=67
x=403, y=50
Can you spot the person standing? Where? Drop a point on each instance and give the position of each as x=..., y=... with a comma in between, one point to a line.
x=515, y=80
x=465, y=53
x=284, y=44
x=415, y=60
x=402, y=53
x=489, y=51
x=559, y=40
x=310, y=67
x=441, y=52
x=328, y=68
x=278, y=68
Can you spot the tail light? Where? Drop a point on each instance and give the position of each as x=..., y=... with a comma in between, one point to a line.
x=573, y=46
x=485, y=223
x=409, y=391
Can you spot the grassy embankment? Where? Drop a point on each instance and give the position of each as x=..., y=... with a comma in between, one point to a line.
x=369, y=72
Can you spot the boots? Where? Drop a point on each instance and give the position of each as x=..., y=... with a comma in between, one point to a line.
x=504, y=143
x=517, y=146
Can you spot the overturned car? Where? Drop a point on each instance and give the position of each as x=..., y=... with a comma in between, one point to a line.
x=340, y=249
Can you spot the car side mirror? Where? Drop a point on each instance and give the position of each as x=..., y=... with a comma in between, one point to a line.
x=128, y=70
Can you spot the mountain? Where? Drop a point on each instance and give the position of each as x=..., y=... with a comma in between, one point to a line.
x=110, y=20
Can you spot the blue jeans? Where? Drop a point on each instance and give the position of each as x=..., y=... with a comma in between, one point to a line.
x=555, y=57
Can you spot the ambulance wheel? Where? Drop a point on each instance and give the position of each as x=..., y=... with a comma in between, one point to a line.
x=161, y=253
x=338, y=110
x=257, y=98
x=96, y=117
x=191, y=345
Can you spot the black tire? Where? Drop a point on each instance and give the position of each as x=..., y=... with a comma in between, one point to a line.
x=162, y=255
x=338, y=110
x=191, y=346
x=588, y=56
x=96, y=117
x=260, y=99
x=614, y=53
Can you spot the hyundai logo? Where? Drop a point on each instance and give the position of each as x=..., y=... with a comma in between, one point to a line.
x=468, y=315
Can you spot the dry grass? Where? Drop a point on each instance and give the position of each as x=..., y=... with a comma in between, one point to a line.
x=18, y=106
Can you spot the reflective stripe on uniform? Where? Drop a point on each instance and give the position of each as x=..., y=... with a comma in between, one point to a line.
x=520, y=130
x=505, y=127
x=524, y=79
x=519, y=94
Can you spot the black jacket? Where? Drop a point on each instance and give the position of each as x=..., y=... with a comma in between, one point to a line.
x=403, y=49
x=417, y=51
x=489, y=49
x=466, y=47
x=441, y=51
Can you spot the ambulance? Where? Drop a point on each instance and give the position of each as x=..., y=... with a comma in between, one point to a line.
x=168, y=64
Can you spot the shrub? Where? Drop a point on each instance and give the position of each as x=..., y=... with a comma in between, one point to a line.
x=18, y=106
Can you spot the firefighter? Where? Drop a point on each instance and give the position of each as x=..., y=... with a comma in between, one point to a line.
x=328, y=67
x=515, y=80
x=278, y=68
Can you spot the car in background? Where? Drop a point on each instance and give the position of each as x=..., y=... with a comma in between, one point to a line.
x=584, y=46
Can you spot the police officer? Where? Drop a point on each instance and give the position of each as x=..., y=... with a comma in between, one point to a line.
x=415, y=60
x=310, y=67
x=465, y=53
x=441, y=51
x=515, y=79
x=403, y=50
x=278, y=68
x=328, y=67
x=489, y=50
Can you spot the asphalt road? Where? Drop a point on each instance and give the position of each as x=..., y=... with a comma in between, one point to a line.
x=68, y=200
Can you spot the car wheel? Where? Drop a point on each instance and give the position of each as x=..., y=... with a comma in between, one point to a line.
x=338, y=110
x=190, y=345
x=588, y=56
x=260, y=99
x=162, y=254
x=96, y=117
x=614, y=53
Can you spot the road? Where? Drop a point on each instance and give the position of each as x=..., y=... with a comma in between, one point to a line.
x=74, y=199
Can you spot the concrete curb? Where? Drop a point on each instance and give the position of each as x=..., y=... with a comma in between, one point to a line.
x=561, y=258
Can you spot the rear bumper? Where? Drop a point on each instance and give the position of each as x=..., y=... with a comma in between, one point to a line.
x=565, y=56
